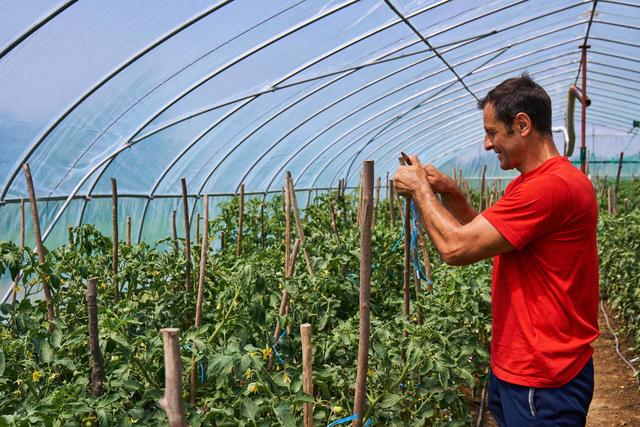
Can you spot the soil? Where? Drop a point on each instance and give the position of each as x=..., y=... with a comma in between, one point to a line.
x=616, y=399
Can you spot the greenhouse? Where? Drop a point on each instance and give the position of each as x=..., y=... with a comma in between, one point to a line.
x=207, y=216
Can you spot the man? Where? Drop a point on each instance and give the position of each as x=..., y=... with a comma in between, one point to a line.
x=542, y=235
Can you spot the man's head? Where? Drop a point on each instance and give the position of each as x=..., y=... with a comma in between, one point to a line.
x=517, y=113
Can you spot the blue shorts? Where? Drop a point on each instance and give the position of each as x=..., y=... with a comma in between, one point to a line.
x=516, y=405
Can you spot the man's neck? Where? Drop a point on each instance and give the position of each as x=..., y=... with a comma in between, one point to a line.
x=542, y=149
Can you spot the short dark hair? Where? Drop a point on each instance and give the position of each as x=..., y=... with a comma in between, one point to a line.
x=520, y=94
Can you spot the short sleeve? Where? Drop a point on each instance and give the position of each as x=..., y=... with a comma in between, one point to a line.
x=531, y=209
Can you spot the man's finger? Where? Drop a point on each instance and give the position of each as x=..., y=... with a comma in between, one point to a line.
x=414, y=159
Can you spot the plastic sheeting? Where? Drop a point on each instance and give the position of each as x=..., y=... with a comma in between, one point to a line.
x=224, y=92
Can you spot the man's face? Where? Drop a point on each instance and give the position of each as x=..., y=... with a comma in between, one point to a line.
x=507, y=145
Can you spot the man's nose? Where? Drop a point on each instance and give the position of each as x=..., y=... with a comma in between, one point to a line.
x=488, y=145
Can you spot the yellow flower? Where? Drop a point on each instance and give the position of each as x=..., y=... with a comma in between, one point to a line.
x=103, y=285
x=370, y=372
x=252, y=388
x=36, y=376
x=52, y=377
x=286, y=379
x=266, y=352
x=46, y=278
x=219, y=306
x=19, y=381
x=248, y=374
x=18, y=289
x=17, y=393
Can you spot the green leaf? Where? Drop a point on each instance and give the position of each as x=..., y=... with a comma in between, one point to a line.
x=56, y=337
x=249, y=409
x=66, y=362
x=220, y=364
x=390, y=400
x=284, y=415
x=46, y=354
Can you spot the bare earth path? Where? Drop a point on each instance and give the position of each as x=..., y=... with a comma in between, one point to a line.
x=616, y=400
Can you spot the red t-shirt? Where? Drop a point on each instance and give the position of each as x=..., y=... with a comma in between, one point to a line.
x=545, y=292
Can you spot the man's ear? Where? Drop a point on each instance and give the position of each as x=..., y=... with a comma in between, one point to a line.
x=522, y=123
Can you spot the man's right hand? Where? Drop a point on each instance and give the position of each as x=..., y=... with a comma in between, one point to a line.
x=440, y=183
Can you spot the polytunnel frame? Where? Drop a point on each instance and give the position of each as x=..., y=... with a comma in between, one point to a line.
x=434, y=132
x=409, y=44
x=132, y=59
x=308, y=141
x=451, y=82
x=127, y=144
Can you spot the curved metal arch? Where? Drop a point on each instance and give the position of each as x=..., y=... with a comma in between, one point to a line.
x=22, y=37
x=613, y=76
x=278, y=85
x=129, y=141
x=395, y=147
x=409, y=45
x=591, y=79
x=53, y=125
x=553, y=84
x=611, y=55
x=607, y=94
x=482, y=68
x=274, y=86
x=608, y=120
x=625, y=43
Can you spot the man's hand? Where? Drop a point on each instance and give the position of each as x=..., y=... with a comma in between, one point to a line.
x=408, y=179
x=440, y=183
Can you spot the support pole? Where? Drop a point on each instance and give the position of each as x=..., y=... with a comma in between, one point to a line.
x=39, y=245
x=128, y=231
x=360, y=400
x=97, y=360
x=22, y=224
x=583, y=143
x=483, y=185
x=307, y=372
x=262, y=243
x=201, y=278
x=114, y=223
x=198, y=227
x=174, y=231
x=392, y=215
x=296, y=217
x=618, y=173
x=287, y=222
x=187, y=237
x=375, y=209
x=172, y=402
x=240, y=221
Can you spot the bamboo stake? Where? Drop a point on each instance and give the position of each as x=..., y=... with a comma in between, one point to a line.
x=333, y=221
x=97, y=360
x=198, y=227
x=307, y=204
x=240, y=221
x=287, y=222
x=618, y=173
x=128, y=231
x=284, y=301
x=307, y=372
x=114, y=222
x=39, y=245
x=359, y=215
x=375, y=209
x=201, y=278
x=407, y=261
x=483, y=185
x=262, y=244
x=222, y=235
x=296, y=217
x=425, y=257
x=172, y=402
x=386, y=193
x=22, y=222
x=187, y=237
x=174, y=231
x=391, y=209
x=359, y=405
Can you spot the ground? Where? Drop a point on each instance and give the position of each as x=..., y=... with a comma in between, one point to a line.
x=616, y=400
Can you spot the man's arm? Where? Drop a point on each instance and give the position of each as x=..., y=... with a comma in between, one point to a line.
x=458, y=244
x=452, y=198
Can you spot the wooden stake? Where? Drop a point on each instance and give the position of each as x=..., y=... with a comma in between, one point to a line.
x=39, y=245
x=172, y=402
x=296, y=217
x=307, y=372
x=333, y=221
x=359, y=405
x=128, y=241
x=407, y=262
x=618, y=173
x=187, y=237
x=114, y=222
x=70, y=234
x=201, y=278
x=375, y=209
x=287, y=222
x=198, y=227
x=284, y=302
x=22, y=225
x=97, y=361
x=262, y=243
x=174, y=232
x=390, y=200
x=240, y=221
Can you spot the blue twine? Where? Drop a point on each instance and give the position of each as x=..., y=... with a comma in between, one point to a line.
x=415, y=252
x=187, y=346
x=347, y=419
x=275, y=349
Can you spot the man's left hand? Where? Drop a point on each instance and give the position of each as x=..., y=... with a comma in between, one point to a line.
x=408, y=179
